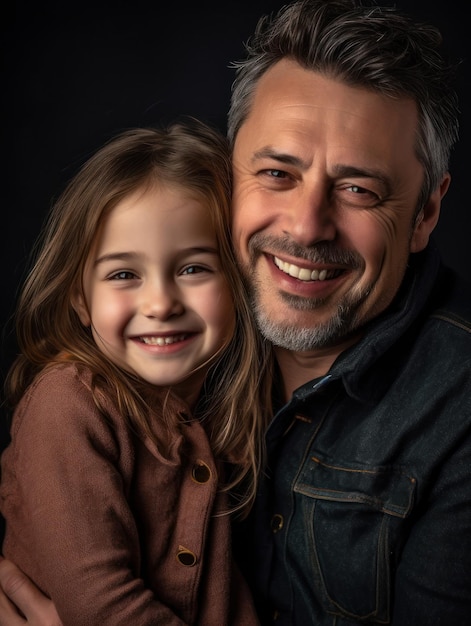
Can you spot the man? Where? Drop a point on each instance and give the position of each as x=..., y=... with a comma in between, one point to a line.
x=342, y=121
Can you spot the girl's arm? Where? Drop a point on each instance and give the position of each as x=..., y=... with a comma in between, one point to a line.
x=69, y=524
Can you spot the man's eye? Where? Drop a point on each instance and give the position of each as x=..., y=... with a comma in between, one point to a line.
x=357, y=189
x=356, y=195
x=276, y=173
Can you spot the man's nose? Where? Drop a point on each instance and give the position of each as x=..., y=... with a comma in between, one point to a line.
x=310, y=217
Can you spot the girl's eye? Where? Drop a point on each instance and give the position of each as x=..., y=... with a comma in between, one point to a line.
x=193, y=269
x=124, y=275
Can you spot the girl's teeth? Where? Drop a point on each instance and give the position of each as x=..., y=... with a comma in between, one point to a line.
x=162, y=341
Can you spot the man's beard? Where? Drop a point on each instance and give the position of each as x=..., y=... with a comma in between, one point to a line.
x=341, y=324
x=344, y=320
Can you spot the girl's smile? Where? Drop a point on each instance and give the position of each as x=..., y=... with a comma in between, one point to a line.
x=155, y=295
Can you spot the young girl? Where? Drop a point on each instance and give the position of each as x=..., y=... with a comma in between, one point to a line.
x=137, y=425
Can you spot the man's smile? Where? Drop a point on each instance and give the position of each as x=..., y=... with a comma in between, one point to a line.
x=303, y=273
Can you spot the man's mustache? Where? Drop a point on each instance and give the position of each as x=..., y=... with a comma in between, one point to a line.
x=323, y=252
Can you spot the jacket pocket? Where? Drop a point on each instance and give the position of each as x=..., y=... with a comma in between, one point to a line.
x=348, y=524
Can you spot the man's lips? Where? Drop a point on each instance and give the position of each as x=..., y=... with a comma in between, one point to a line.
x=305, y=274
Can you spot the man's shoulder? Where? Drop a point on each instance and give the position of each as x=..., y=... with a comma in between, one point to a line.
x=451, y=300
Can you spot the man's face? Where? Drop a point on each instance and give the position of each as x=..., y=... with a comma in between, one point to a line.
x=326, y=185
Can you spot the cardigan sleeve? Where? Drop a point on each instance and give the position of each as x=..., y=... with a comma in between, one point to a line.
x=65, y=478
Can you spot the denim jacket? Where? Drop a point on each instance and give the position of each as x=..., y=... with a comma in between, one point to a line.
x=365, y=513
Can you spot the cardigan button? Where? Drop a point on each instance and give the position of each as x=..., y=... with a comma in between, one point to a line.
x=276, y=523
x=186, y=557
x=200, y=472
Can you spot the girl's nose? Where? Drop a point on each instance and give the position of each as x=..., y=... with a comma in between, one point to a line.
x=161, y=302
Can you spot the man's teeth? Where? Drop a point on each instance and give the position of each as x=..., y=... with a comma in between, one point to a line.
x=299, y=272
x=162, y=341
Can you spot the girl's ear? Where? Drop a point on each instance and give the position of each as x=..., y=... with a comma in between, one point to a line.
x=81, y=308
x=427, y=219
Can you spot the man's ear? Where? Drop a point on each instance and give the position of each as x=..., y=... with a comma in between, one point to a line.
x=81, y=308
x=427, y=219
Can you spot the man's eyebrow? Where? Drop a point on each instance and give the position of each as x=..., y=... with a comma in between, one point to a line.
x=344, y=171
x=361, y=172
x=338, y=170
x=282, y=157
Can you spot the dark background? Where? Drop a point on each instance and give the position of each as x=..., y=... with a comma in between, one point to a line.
x=75, y=73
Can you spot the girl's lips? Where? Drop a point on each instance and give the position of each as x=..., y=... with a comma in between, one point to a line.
x=162, y=340
x=164, y=343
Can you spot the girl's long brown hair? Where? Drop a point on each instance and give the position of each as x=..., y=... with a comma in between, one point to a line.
x=235, y=403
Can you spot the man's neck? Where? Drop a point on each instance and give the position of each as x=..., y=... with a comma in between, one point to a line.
x=298, y=368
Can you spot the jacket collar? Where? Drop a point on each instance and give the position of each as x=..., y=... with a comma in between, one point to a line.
x=367, y=368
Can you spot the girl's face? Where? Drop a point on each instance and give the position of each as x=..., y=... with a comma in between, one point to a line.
x=155, y=295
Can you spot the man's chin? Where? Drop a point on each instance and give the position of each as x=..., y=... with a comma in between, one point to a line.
x=298, y=338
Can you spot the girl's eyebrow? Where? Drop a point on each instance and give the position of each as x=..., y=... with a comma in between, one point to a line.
x=132, y=256
x=115, y=256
